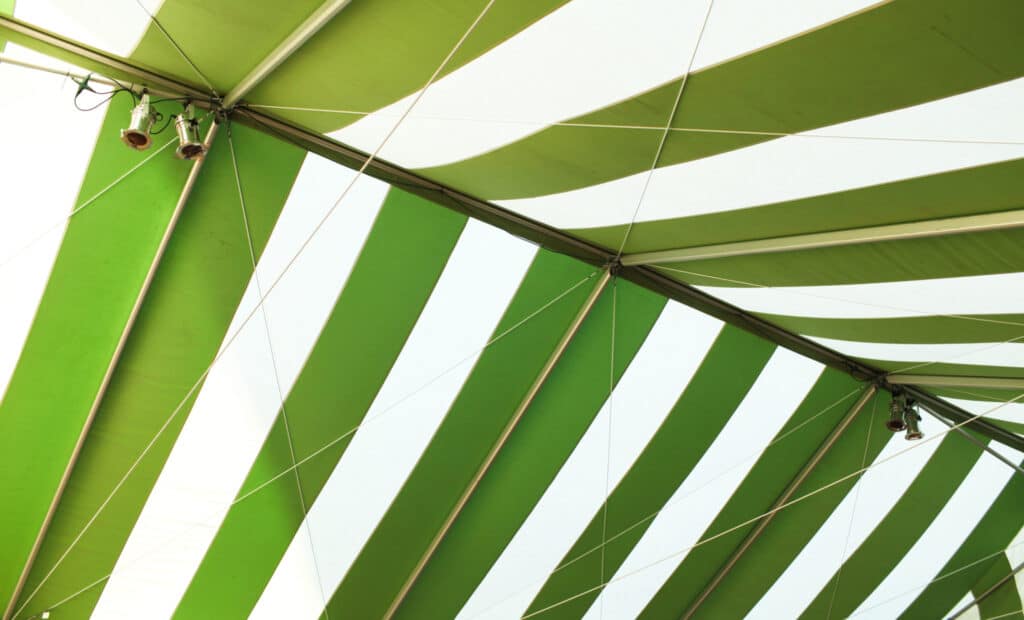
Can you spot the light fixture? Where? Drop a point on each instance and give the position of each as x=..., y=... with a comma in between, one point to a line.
x=190, y=146
x=137, y=134
x=912, y=417
x=895, y=423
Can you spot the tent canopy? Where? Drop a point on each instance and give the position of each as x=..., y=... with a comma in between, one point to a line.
x=502, y=309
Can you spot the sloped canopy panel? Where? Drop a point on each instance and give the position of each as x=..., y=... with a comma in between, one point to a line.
x=553, y=309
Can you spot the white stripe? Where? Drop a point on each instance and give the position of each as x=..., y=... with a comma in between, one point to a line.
x=584, y=56
x=990, y=294
x=643, y=398
x=771, y=401
x=1007, y=412
x=239, y=401
x=799, y=167
x=471, y=296
x=1009, y=354
x=114, y=26
x=49, y=146
x=970, y=614
x=941, y=540
x=1015, y=556
x=867, y=503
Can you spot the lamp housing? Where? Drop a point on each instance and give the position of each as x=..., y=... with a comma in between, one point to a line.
x=190, y=145
x=137, y=134
x=896, y=423
x=913, y=419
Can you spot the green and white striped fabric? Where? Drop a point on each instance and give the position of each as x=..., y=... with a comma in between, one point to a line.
x=310, y=394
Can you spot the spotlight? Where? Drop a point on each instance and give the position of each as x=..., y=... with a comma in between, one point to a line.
x=190, y=146
x=137, y=134
x=912, y=417
x=895, y=423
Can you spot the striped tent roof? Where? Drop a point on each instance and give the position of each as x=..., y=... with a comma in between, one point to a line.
x=512, y=309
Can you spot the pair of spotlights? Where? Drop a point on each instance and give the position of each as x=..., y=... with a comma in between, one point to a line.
x=138, y=134
x=903, y=415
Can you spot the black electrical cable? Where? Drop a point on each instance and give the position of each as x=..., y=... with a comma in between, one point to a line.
x=167, y=124
x=84, y=86
x=90, y=109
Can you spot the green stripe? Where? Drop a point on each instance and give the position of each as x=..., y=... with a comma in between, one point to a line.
x=534, y=453
x=791, y=529
x=971, y=191
x=995, y=396
x=917, y=259
x=409, y=39
x=224, y=39
x=188, y=309
x=992, y=534
x=866, y=567
x=891, y=261
x=6, y=8
x=766, y=481
x=728, y=371
x=929, y=48
x=908, y=330
x=953, y=370
x=407, y=248
x=492, y=393
x=87, y=300
x=1004, y=601
x=1010, y=426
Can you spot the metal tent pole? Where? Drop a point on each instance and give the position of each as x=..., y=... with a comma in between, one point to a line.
x=987, y=593
x=786, y=495
x=872, y=234
x=292, y=42
x=186, y=192
x=531, y=394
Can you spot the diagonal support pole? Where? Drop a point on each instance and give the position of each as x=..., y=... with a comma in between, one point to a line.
x=531, y=394
x=1003, y=220
x=996, y=383
x=324, y=14
x=984, y=595
x=186, y=191
x=981, y=444
x=786, y=495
